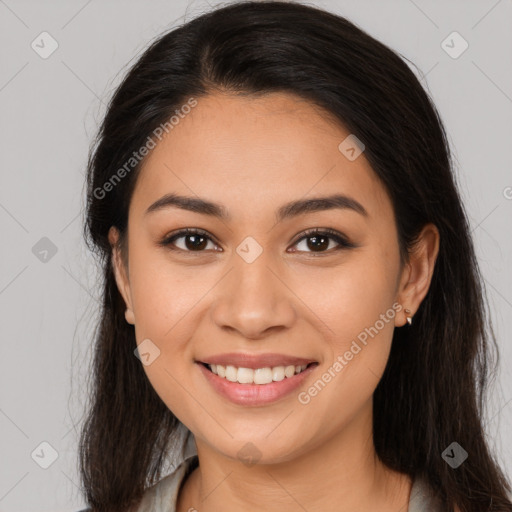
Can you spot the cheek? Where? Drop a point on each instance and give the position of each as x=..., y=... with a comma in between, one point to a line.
x=163, y=294
x=356, y=346
x=349, y=297
x=164, y=299
x=353, y=304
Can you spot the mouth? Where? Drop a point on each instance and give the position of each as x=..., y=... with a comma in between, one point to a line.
x=259, y=386
x=257, y=376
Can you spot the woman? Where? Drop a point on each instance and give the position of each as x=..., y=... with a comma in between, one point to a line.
x=289, y=280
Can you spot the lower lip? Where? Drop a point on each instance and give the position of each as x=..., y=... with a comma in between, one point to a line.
x=255, y=394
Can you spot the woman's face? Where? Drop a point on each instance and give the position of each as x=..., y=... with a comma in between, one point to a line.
x=254, y=284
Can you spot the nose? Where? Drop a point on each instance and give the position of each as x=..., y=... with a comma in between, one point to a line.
x=254, y=300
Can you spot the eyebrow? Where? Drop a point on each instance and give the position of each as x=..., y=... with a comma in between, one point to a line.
x=291, y=209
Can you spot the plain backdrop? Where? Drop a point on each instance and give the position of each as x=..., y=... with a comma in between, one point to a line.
x=50, y=110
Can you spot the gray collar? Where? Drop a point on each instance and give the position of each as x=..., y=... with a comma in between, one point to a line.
x=422, y=497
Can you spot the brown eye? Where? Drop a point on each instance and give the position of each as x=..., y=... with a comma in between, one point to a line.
x=194, y=240
x=316, y=241
x=319, y=241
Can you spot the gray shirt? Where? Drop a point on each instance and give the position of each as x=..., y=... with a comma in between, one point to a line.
x=162, y=496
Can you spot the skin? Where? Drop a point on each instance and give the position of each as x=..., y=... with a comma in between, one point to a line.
x=253, y=155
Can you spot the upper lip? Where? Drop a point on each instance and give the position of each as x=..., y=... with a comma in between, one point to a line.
x=255, y=360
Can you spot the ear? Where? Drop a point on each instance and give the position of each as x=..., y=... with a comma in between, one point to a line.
x=417, y=273
x=120, y=273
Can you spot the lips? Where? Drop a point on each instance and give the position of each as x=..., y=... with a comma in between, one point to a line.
x=255, y=361
x=255, y=395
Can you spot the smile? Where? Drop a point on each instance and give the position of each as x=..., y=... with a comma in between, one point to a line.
x=258, y=376
x=255, y=387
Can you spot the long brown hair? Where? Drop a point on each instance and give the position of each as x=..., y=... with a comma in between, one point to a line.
x=433, y=388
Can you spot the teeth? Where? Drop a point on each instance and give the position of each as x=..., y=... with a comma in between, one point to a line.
x=278, y=373
x=258, y=376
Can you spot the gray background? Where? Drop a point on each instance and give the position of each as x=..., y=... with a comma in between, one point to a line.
x=50, y=111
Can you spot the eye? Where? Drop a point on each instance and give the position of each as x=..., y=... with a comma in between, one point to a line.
x=195, y=240
x=318, y=240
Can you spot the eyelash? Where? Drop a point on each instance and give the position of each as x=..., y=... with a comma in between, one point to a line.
x=309, y=233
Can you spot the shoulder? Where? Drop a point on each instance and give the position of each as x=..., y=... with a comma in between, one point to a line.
x=163, y=495
x=422, y=498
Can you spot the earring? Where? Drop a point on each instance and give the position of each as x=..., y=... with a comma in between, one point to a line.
x=409, y=318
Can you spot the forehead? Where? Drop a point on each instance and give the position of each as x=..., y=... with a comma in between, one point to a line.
x=251, y=152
